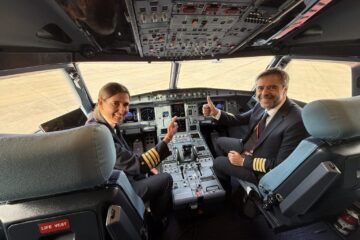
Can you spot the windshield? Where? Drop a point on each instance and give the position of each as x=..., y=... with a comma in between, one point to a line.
x=310, y=79
x=238, y=74
x=138, y=77
x=142, y=77
x=30, y=99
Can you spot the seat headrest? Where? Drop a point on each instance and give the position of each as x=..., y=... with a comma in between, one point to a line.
x=333, y=118
x=35, y=165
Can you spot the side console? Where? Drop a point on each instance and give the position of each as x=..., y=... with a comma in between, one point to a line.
x=190, y=165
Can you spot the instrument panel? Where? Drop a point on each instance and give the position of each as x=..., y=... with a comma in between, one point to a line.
x=190, y=163
x=157, y=108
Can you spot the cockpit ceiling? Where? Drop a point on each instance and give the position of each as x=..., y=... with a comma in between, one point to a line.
x=151, y=30
x=193, y=29
x=177, y=29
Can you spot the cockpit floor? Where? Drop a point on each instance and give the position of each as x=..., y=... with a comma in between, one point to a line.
x=222, y=221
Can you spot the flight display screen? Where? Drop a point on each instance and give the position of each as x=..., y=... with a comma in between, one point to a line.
x=131, y=116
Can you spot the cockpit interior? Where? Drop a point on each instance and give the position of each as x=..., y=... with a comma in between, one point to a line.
x=57, y=176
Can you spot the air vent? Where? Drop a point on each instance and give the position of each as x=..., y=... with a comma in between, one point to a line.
x=53, y=32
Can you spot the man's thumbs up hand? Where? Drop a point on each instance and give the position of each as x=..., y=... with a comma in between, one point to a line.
x=209, y=109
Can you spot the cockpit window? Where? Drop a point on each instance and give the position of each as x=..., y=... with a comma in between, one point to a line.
x=237, y=73
x=29, y=99
x=142, y=77
x=314, y=79
x=138, y=77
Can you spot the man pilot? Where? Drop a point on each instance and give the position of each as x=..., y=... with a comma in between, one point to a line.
x=275, y=129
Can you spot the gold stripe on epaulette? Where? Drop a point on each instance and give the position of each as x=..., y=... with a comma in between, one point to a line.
x=254, y=164
x=151, y=152
x=259, y=164
x=263, y=169
x=147, y=161
x=151, y=159
x=152, y=156
x=156, y=153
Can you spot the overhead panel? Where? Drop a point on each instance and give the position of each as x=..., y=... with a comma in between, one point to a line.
x=176, y=29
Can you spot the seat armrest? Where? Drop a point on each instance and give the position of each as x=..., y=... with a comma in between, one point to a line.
x=304, y=196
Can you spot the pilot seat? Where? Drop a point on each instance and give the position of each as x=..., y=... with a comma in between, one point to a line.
x=61, y=185
x=321, y=176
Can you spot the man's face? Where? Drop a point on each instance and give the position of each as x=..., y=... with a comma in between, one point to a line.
x=115, y=108
x=270, y=91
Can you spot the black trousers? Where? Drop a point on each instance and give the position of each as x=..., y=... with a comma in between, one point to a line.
x=224, y=170
x=157, y=189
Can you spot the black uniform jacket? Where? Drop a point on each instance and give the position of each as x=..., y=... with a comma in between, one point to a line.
x=132, y=164
x=280, y=137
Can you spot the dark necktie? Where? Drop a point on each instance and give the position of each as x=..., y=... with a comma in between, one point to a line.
x=255, y=135
x=261, y=125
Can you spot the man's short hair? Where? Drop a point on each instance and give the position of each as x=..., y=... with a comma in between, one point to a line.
x=284, y=77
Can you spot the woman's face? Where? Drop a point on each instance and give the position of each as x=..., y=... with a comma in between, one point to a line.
x=114, y=108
